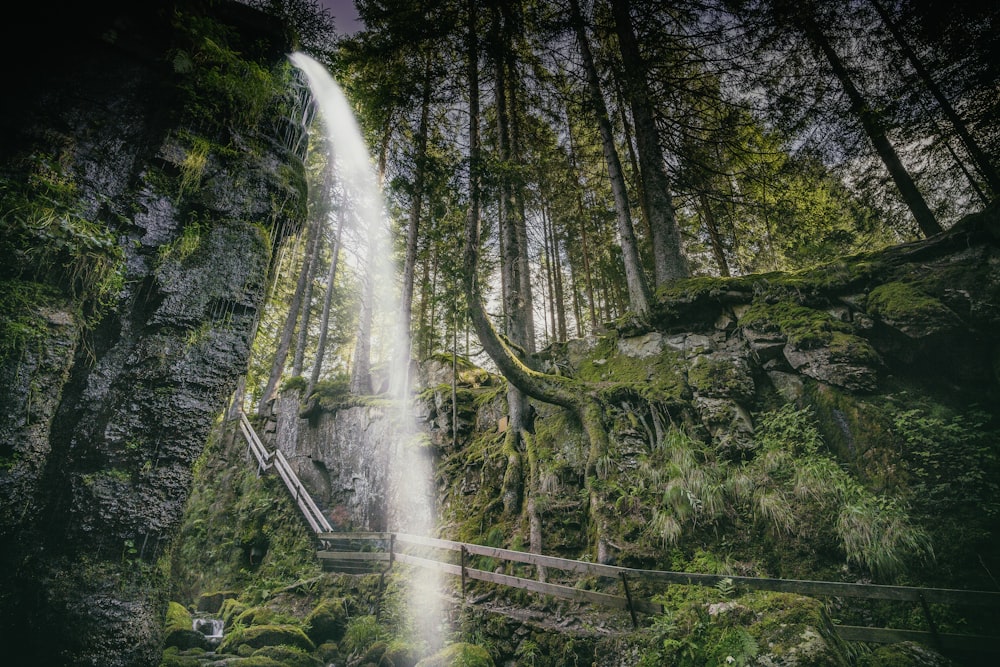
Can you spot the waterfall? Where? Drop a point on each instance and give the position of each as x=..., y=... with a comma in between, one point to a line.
x=210, y=627
x=410, y=470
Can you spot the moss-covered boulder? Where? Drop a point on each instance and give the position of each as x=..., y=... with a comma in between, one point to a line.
x=258, y=636
x=287, y=656
x=903, y=654
x=327, y=620
x=255, y=616
x=179, y=630
x=459, y=655
x=175, y=657
x=231, y=609
x=211, y=603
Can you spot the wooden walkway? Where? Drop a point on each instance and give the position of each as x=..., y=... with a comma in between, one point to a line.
x=454, y=558
x=363, y=551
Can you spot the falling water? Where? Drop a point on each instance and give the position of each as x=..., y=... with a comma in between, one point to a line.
x=410, y=471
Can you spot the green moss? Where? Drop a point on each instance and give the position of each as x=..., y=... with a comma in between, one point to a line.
x=258, y=636
x=903, y=302
x=286, y=656
x=806, y=328
x=660, y=378
x=173, y=657
x=178, y=617
x=459, y=655
x=327, y=620
x=22, y=319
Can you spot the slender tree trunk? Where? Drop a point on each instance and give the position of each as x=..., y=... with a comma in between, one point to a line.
x=361, y=373
x=331, y=277
x=714, y=238
x=426, y=295
x=638, y=288
x=288, y=330
x=582, y=212
x=550, y=278
x=633, y=160
x=979, y=157
x=668, y=260
x=873, y=128
x=302, y=339
x=559, y=296
x=420, y=159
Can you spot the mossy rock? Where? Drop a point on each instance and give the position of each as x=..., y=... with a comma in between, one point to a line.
x=903, y=654
x=327, y=620
x=255, y=616
x=401, y=654
x=287, y=656
x=908, y=309
x=179, y=631
x=258, y=636
x=174, y=657
x=256, y=661
x=211, y=603
x=231, y=609
x=374, y=654
x=459, y=655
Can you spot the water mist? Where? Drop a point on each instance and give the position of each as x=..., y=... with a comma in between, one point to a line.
x=410, y=470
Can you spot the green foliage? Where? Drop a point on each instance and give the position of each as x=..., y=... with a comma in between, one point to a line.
x=953, y=464
x=294, y=383
x=220, y=85
x=50, y=246
x=332, y=393
x=230, y=510
x=178, y=617
x=184, y=245
x=258, y=636
x=21, y=322
x=459, y=655
x=361, y=633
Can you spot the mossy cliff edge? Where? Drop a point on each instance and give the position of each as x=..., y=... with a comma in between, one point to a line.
x=835, y=424
x=148, y=170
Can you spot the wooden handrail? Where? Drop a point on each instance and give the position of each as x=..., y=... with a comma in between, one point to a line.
x=312, y=513
x=625, y=574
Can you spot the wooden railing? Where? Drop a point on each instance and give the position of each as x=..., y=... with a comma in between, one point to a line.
x=277, y=459
x=384, y=548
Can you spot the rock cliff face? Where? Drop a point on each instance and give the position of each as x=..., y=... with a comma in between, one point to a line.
x=149, y=170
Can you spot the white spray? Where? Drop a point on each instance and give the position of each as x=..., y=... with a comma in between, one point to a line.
x=410, y=469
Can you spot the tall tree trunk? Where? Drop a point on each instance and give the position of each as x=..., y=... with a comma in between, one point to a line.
x=512, y=264
x=558, y=295
x=668, y=260
x=550, y=278
x=979, y=157
x=638, y=288
x=302, y=339
x=714, y=237
x=426, y=295
x=331, y=277
x=288, y=330
x=361, y=364
x=873, y=128
x=416, y=201
x=582, y=212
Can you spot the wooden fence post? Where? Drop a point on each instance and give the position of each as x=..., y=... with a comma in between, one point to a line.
x=930, y=622
x=463, y=554
x=628, y=597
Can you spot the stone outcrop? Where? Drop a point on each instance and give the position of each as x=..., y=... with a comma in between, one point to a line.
x=109, y=397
